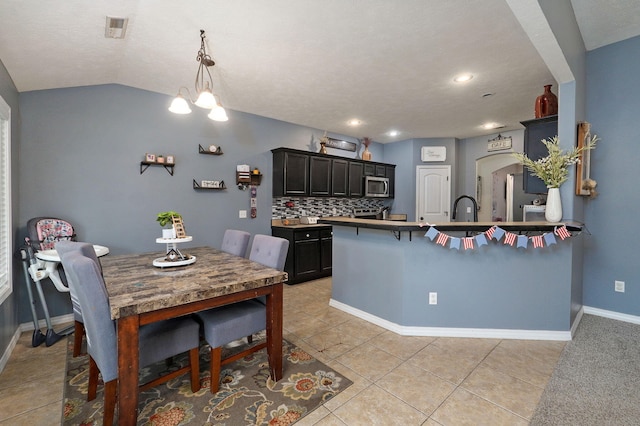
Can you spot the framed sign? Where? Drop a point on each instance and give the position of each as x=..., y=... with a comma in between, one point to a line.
x=338, y=144
x=499, y=143
x=433, y=153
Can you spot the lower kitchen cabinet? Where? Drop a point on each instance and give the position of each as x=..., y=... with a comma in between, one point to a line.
x=309, y=255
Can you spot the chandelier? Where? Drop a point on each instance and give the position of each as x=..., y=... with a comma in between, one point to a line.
x=205, y=97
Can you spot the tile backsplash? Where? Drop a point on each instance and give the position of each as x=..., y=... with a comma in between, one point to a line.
x=317, y=206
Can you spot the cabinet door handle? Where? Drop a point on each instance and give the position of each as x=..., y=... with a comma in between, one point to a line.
x=307, y=235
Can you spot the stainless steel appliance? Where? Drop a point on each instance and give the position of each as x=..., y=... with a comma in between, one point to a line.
x=375, y=186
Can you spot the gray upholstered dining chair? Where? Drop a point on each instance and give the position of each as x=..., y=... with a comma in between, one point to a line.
x=235, y=242
x=232, y=322
x=86, y=250
x=159, y=340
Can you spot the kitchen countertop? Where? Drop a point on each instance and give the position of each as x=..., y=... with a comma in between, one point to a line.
x=295, y=224
x=444, y=226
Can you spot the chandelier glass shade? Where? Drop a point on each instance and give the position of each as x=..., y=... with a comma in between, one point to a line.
x=205, y=97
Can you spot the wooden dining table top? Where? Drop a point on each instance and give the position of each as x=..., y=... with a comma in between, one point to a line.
x=135, y=286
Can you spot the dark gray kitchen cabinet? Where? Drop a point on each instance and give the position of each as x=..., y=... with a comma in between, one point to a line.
x=309, y=255
x=301, y=174
x=290, y=173
x=319, y=176
x=390, y=173
x=356, y=179
x=339, y=178
x=534, y=132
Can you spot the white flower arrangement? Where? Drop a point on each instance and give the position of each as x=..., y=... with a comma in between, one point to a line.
x=554, y=168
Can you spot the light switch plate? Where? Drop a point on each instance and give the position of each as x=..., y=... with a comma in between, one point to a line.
x=242, y=214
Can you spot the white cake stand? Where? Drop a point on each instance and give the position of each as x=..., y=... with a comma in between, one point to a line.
x=172, y=244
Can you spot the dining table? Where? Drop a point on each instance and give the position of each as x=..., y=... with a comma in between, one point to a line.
x=140, y=293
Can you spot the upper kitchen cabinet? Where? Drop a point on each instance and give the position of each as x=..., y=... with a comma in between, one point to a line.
x=339, y=178
x=534, y=132
x=390, y=172
x=320, y=176
x=299, y=173
x=356, y=182
x=290, y=173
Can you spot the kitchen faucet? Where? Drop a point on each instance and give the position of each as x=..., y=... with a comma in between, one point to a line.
x=475, y=207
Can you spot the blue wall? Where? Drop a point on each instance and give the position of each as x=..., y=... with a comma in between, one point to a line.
x=613, y=109
x=81, y=156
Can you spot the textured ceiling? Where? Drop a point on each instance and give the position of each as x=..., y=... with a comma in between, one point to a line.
x=314, y=63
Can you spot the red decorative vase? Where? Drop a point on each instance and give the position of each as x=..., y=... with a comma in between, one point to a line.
x=547, y=103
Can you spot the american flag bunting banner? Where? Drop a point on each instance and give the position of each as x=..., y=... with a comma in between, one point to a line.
x=495, y=232
x=489, y=232
x=455, y=243
x=431, y=233
x=523, y=241
x=481, y=240
x=498, y=233
x=468, y=243
x=509, y=238
x=549, y=238
x=563, y=232
x=537, y=241
x=442, y=239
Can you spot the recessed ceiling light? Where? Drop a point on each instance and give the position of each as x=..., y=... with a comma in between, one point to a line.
x=463, y=78
x=354, y=122
x=491, y=126
x=393, y=133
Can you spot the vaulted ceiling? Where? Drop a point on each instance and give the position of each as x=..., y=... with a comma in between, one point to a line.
x=315, y=63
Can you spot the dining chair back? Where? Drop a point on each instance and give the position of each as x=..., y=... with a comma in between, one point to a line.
x=87, y=250
x=270, y=251
x=232, y=322
x=235, y=242
x=158, y=341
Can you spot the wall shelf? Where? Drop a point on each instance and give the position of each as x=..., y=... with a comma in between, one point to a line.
x=202, y=150
x=196, y=185
x=144, y=165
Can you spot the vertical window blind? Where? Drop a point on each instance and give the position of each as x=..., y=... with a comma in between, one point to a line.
x=6, y=244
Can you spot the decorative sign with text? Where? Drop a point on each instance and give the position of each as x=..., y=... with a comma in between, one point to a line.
x=499, y=143
x=338, y=144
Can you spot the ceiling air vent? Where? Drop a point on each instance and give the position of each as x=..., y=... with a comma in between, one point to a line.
x=116, y=27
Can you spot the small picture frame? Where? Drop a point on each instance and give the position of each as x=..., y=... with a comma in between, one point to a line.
x=150, y=158
x=171, y=159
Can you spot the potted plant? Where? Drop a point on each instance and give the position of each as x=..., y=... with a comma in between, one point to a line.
x=553, y=170
x=166, y=218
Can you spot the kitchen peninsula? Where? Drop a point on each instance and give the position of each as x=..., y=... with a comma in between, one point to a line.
x=385, y=271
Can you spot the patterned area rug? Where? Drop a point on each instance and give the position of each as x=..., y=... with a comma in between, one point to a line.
x=247, y=394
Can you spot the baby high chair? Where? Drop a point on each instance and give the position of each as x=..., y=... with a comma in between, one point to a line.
x=44, y=232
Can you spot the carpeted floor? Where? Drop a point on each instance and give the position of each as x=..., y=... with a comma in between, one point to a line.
x=247, y=395
x=597, y=379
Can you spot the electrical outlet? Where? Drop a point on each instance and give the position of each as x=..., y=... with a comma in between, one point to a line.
x=433, y=298
x=619, y=286
x=468, y=209
x=242, y=214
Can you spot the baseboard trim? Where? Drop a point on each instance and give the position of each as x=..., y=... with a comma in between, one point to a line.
x=634, y=319
x=7, y=353
x=62, y=319
x=485, y=333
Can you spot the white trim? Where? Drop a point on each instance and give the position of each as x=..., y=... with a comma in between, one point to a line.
x=485, y=333
x=575, y=324
x=7, y=352
x=62, y=319
x=634, y=319
x=6, y=288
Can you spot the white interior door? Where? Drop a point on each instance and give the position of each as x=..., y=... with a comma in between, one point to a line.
x=433, y=196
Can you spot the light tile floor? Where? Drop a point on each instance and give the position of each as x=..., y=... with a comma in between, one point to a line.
x=396, y=379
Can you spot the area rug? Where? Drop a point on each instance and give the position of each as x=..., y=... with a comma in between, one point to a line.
x=247, y=394
x=595, y=382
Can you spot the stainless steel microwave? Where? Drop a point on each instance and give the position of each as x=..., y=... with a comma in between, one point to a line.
x=375, y=186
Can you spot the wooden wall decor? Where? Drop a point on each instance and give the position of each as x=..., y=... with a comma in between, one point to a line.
x=584, y=166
